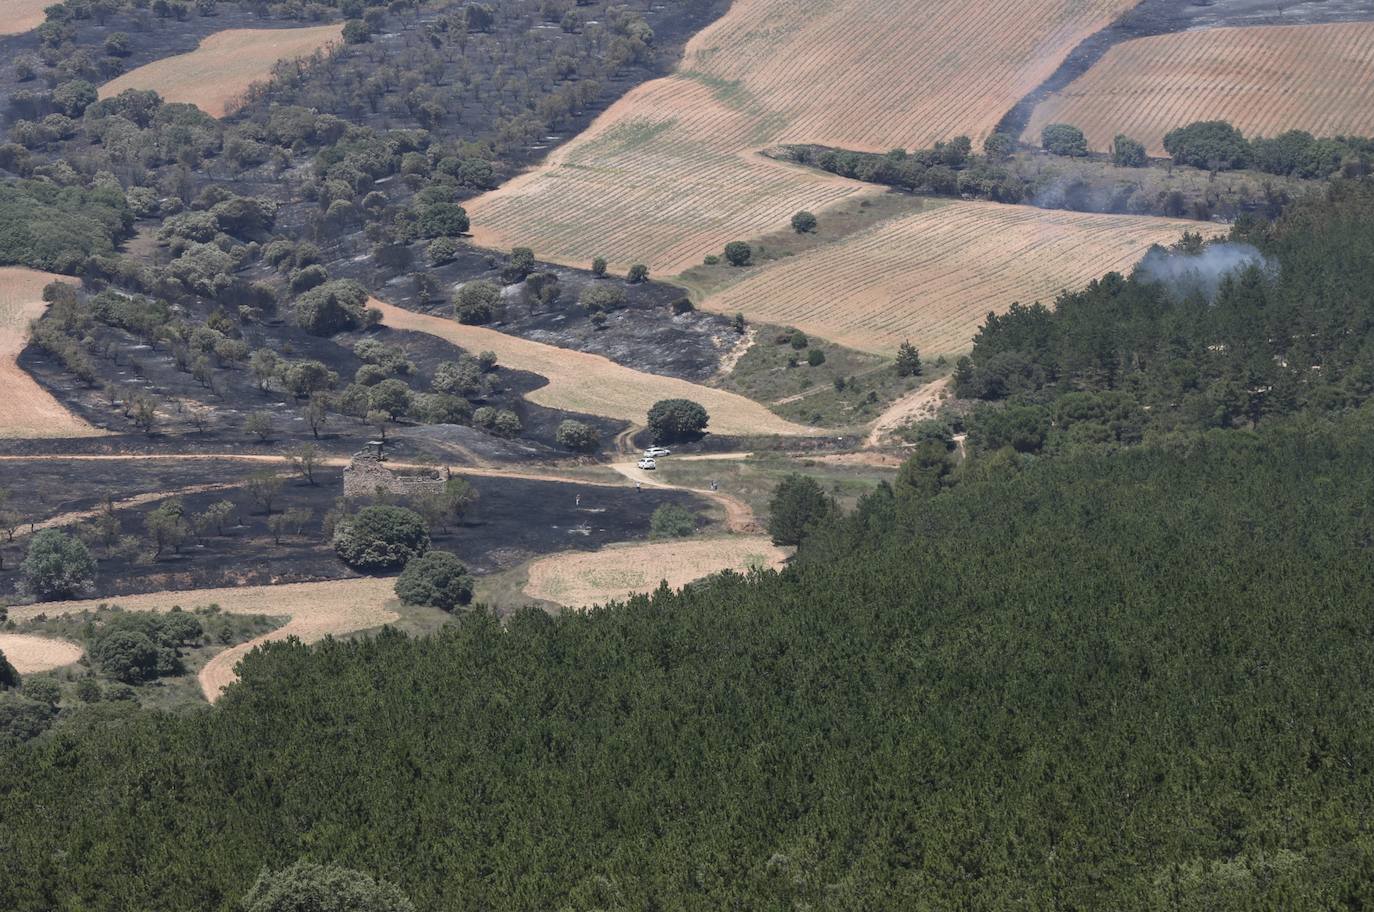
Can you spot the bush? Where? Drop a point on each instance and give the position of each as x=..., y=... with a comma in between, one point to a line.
x=638, y=273
x=602, y=298
x=309, y=887
x=577, y=436
x=738, y=253
x=599, y=267
x=332, y=307
x=1063, y=139
x=1127, y=153
x=126, y=655
x=683, y=306
x=815, y=357
x=798, y=505
x=381, y=538
x=677, y=419
x=1211, y=144
x=437, y=579
x=57, y=566
x=672, y=521
x=711, y=260
x=798, y=340
x=441, y=250
x=803, y=222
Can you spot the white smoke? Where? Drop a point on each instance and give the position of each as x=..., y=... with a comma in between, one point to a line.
x=1190, y=273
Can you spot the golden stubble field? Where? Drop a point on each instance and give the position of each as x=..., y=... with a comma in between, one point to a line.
x=671, y=172
x=215, y=75
x=933, y=276
x=583, y=579
x=19, y=16
x=31, y=654
x=1263, y=79
x=316, y=610
x=26, y=409
x=582, y=382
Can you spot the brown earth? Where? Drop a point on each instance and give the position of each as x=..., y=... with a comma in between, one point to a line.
x=580, y=580
x=671, y=171
x=591, y=384
x=31, y=654
x=26, y=409
x=1263, y=79
x=918, y=404
x=215, y=75
x=316, y=610
x=932, y=277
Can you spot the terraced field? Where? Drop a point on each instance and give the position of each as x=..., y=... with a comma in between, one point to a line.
x=26, y=409
x=19, y=16
x=670, y=172
x=594, y=385
x=933, y=276
x=1263, y=79
x=215, y=75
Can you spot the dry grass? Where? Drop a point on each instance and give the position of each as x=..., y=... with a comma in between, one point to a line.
x=26, y=409
x=670, y=172
x=583, y=579
x=21, y=16
x=31, y=654
x=316, y=610
x=215, y=75
x=933, y=276
x=594, y=385
x=1263, y=79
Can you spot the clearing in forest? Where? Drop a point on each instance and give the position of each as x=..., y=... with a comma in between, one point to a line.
x=1263, y=79
x=317, y=610
x=23, y=16
x=671, y=173
x=583, y=579
x=591, y=384
x=932, y=277
x=30, y=654
x=215, y=75
x=26, y=409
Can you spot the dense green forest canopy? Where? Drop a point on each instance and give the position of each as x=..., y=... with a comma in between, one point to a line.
x=1135, y=681
x=1138, y=354
x=57, y=228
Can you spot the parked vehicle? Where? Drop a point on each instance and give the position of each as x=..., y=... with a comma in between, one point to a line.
x=656, y=451
x=648, y=463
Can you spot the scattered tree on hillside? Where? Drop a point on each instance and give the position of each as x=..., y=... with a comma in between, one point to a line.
x=638, y=273
x=1063, y=139
x=1127, y=153
x=908, y=360
x=599, y=267
x=803, y=222
x=672, y=420
x=797, y=506
x=738, y=253
x=380, y=537
x=476, y=302
x=577, y=435
x=57, y=566
x=437, y=579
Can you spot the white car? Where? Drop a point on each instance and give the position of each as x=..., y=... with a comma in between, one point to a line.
x=648, y=463
x=653, y=452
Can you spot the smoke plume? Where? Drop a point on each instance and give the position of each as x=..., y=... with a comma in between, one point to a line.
x=1190, y=273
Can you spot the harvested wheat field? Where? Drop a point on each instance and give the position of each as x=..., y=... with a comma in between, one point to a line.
x=215, y=75
x=582, y=579
x=316, y=610
x=26, y=409
x=671, y=172
x=1265, y=80
x=933, y=276
x=591, y=384
x=31, y=654
x=19, y=16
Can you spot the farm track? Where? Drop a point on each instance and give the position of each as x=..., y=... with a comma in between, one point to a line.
x=26, y=409
x=932, y=277
x=215, y=75
x=582, y=382
x=1263, y=79
x=919, y=403
x=671, y=171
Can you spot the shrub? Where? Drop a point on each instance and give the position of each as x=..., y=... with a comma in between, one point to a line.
x=332, y=307
x=309, y=887
x=677, y=419
x=908, y=360
x=711, y=260
x=638, y=273
x=683, y=306
x=126, y=655
x=390, y=396
x=599, y=267
x=1127, y=153
x=798, y=340
x=577, y=435
x=738, y=253
x=601, y=298
x=441, y=408
x=437, y=579
x=1063, y=139
x=57, y=566
x=815, y=357
x=803, y=222
x=441, y=250
x=380, y=538
x=1212, y=144
x=672, y=521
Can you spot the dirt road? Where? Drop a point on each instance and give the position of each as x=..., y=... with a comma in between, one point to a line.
x=921, y=403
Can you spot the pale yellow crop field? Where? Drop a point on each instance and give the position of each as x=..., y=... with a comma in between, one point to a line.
x=19, y=16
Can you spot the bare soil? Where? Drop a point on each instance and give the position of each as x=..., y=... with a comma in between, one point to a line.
x=30, y=654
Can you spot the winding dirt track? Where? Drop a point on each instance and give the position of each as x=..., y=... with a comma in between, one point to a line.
x=920, y=403
x=738, y=517
x=31, y=654
x=316, y=610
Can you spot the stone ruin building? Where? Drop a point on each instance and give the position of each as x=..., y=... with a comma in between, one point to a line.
x=366, y=474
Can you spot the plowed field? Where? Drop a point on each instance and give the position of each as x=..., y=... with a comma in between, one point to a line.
x=1264, y=79
x=670, y=172
x=215, y=75
x=26, y=409
x=933, y=276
